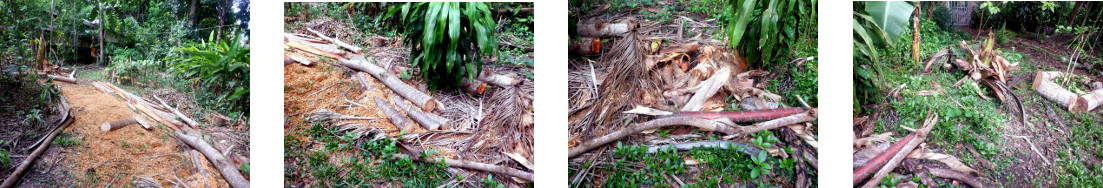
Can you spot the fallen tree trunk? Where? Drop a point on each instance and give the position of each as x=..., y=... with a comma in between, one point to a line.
x=422, y=100
x=585, y=46
x=1090, y=101
x=110, y=126
x=225, y=167
x=919, y=137
x=397, y=119
x=17, y=174
x=420, y=117
x=313, y=50
x=741, y=116
x=704, y=124
x=1050, y=90
x=877, y=162
x=497, y=79
x=492, y=168
x=955, y=175
x=352, y=48
x=63, y=78
x=178, y=114
x=748, y=149
x=600, y=29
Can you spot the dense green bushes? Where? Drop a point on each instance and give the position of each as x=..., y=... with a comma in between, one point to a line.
x=447, y=40
x=221, y=67
x=765, y=31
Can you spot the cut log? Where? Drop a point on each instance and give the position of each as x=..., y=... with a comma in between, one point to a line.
x=397, y=119
x=585, y=46
x=63, y=79
x=1090, y=101
x=178, y=114
x=420, y=117
x=303, y=38
x=422, y=100
x=492, y=168
x=600, y=29
x=340, y=43
x=473, y=86
x=225, y=167
x=708, y=89
x=142, y=121
x=313, y=50
x=1050, y=90
x=741, y=116
x=110, y=126
x=497, y=79
x=300, y=58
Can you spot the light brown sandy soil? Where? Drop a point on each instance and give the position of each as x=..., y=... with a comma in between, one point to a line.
x=119, y=157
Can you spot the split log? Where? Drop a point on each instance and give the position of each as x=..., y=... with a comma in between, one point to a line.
x=397, y=119
x=303, y=38
x=340, y=43
x=110, y=126
x=918, y=137
x=1050, y=90
x=708, y=89
x=600, y=29
x=704, y=124
x=422, y=100
x=420, y=117
x=1090, y=101
x=225, y=167
x=17, y=174
x=585, y=46
x=492, y=168
x=63, y=78
x=741, y=116
x=313, y=50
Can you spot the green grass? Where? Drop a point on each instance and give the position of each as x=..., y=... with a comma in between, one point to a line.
x=66, y=140
x=367, y=163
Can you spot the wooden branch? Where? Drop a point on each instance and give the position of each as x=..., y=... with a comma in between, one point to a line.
x=497, y=169
x=741, y=116
x=397, y=119
x=17, y=174
x=1090, y=101
x=418, y=116
x=955, y=175
x=117, y=124
x=1050, y=90
x=422, y=100
x=178, y=114
x=352, y=48
x=225, y=167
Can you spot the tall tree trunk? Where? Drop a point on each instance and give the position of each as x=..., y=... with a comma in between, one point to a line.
x=194, y=10
x=99, y=58
x=1075, y=10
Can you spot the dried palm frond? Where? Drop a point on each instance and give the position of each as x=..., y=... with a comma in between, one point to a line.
x=628, y=85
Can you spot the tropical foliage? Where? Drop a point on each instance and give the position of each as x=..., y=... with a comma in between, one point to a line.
x=765, y=31
x=220, y=65
x=448, y=41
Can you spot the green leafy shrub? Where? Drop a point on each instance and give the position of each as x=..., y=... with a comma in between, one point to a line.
x=941, y=16
x=447, y=40
x=764, y=31
x=221, y=67
x=5, y=158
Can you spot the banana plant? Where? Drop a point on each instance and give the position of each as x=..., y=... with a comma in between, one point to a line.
x=447, y=40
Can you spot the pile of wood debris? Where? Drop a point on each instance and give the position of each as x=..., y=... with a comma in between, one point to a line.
x=875, y=159
x=639, y=79
x=465, y=135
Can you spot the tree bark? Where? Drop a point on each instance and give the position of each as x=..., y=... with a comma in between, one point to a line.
x=1050, y=90
x=497, y=79
x=63, y=79
x=1090, y=101
x=419, y=98
x=600, y=30
x=420, y=117
x=110, y=126
x=397, y=119
x=225, y=167
x=313, y=50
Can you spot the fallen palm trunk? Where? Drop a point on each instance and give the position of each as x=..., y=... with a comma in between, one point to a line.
x=704, y=124
x=110, y=126
x=585, y=46
x=600, y=29
x=903, y=153
x=1090, y=101
x=352, y=48
x=748, y=149
x=17, y=174
x=955, y=175
x=741, y=116
x=227, y=168
x=1050, y=90
x=422, y=100
x=497, y=79
x=497, y=169
x=420, y=117
x=397, y=119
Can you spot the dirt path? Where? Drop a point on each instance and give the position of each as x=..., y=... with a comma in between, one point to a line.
x=120, y=157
